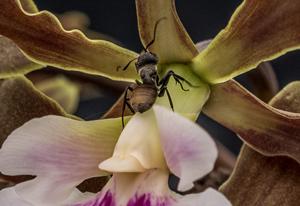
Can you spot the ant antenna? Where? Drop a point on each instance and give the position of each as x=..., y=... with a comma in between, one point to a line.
x=154, y=34
x=127, y=65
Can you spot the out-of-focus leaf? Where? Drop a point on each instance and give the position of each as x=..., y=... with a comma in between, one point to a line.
x=43, y=39
x=267, y=181
x=259, y=30
x=21, y=102
x=264, y=81
x=288, y=98
x=268, y=130
x=172, y=43
x=63, y=91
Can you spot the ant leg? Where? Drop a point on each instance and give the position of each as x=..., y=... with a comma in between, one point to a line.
x=125, y=103
x=178, y=79
x=170, y=99
x=162, y=93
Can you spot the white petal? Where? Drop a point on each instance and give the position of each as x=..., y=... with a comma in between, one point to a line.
x=189, y=150
x=209, y=197
x=138, y=146
x=9, y=197
x=60, y=151
x=149, y=189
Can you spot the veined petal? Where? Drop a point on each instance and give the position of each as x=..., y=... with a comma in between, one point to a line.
x=189, y=151
x=273, y=180
x=42, y=38
x=21, y=102
x=13, y=61
x=172, y=43
x=149, y=189
x=264, y=128
x=60, y=151
x=259, y=30
x=62, y=90
x=138, y=147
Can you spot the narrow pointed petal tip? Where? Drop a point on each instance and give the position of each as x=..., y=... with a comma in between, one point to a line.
x=172, y=43
x=270, y=131
x=70, y=50
x=61, y=152
x=189, y=150
x=258, y=31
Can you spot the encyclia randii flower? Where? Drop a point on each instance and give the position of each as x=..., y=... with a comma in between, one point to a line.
x=258, y=31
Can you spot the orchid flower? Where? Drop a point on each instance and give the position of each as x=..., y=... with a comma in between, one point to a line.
x=62, y=153
x=259, y=30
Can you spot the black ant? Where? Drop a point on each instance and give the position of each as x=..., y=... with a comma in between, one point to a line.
x=144, y=94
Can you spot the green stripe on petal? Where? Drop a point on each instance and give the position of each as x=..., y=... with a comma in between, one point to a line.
x=44, y=41
x=259, y=30
x=172, y=43
x=268, y=130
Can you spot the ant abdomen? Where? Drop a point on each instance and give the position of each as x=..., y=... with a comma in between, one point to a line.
x=143, y=97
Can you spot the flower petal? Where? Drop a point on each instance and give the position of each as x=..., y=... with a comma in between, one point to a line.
x=188, y=149
x=60, y=151
x=264, y=128
x=149, y=189
x=9, y=197
x=64, y=91
x=172, y=43
x=20, y=102
x=272, y=180
x=258, y=31
x=138, y=147
x=29, y=6
x=43, y=39
x=190, y=101
x=13, y=61
x=261, y=180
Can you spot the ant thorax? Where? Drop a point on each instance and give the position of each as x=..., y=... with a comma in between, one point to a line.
x=148, y=74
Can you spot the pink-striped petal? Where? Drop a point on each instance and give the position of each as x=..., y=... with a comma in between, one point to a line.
x=149, y=189
x=61, y=152
x=189, y=151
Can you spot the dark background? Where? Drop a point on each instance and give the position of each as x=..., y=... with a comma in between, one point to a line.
x=202, y=19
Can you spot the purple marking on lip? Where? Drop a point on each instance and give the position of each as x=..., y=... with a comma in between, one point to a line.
x=106, y=200
x=145, y=200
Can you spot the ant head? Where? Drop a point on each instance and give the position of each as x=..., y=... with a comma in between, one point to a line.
x=146, y=58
